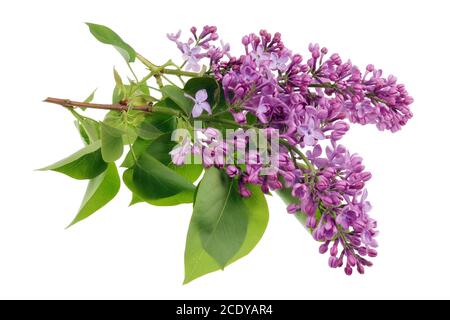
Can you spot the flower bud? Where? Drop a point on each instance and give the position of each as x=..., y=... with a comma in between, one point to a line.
x=372, y=253
x=232, y=171
x=323, y=248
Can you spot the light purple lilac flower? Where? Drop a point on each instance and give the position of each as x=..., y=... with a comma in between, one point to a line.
x=180, y=152
x=200, y=103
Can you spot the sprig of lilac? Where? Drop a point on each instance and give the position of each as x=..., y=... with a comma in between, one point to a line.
x=311, y=104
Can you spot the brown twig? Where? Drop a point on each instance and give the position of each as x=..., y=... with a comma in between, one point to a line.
x=74, y=104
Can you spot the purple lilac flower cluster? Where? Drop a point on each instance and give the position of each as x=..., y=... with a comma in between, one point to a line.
x=200, y=46
x=310, y=102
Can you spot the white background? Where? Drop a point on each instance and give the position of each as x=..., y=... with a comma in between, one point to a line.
x=137, y=252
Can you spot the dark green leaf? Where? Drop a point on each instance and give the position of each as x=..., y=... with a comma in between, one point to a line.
x=87, y=163
x=161, y=147
x=112, y=143
x=154, y=180
x=147, y=130
x=107, y=36
x=177, y=95
x=155, y=125
x=198, y=262
x=100, y=191
x=220, y=216
x=180, y=198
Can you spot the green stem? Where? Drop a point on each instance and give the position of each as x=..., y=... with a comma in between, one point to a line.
x=298, y=152
x=180, y=73
x=128, y=136
x=158, y=70
x=165, y=110
x=152, y=67
x=323, y=85
x=132, y=72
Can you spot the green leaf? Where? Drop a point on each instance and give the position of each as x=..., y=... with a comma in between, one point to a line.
x=118, y=94
x=155, y=125
x=177, y=95
x=198, y=262
x=122, y=122
x=87, y=163
x=112, y=143
x=91, y=97
x=100, y=191
x=147, y=130
x=209, y=84
x=89, y=128
x=154, y=180
x=117, y=78
x=83, y=133
x=115, y=119
x=220, y=216
x=139, y=147
x=190, y=171
x=107, y=36
x=134, y=198
x=161, y=147
x=120, y=91
x=180, y=198
x=143, y=88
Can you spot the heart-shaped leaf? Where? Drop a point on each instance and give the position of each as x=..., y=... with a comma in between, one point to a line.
x=220, y=216
x=100, y=191
x=87, y=163
x=197, y=260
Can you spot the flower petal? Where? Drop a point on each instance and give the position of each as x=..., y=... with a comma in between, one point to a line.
x=201, y=96
x=205, y=106
x=197, y=110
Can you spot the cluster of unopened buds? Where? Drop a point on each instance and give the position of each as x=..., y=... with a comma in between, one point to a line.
x=309, y=103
